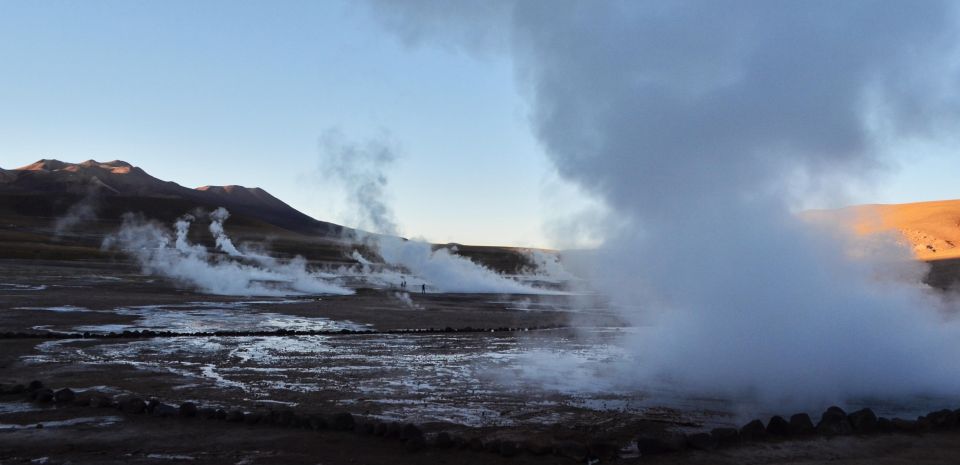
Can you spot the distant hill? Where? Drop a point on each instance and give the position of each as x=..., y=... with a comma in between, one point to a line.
x=931, y=228
x=50, y=186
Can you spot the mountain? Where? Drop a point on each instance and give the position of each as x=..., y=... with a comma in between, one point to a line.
x=49, y=186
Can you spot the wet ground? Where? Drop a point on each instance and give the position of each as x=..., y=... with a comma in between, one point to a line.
x=517, y=383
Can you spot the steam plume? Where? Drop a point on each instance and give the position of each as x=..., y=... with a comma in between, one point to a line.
x=702, y=125
x=190, y=264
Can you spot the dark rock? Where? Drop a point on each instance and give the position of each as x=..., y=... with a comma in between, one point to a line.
x=884, y=425
x=777, y=426
x=318, y=422
x=702, y=441
x=410, y=431
x=380, y=429
x=603, y=450
x=943, y=419
x=393, y=430
x=34, y=385
x=164, y=410
x=661, y=442
x=342, y=421
x=152, y=403
x=509, y=448
x=12, y=389
x=905, y=426
x=365, y=427
x=100, y=401
x=834, y=422
x=492, y=445
x=475, y=444
x=571, y=449
x=134, y=405
x=235, y=416
x=726, y=436
x=863, y=421
x=415, y=444
x=538, y=446
x=282, y=417
x=443, y=440
x=207, y=413
x=801, y=425
x=253, y=418
x=188, y=410
x=42, y=395
x=753, y=431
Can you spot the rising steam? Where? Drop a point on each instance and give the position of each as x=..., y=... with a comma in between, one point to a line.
x=361, y=168
x=189, y=264
x=702, y=125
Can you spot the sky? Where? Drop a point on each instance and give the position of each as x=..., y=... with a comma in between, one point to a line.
x=240, y=92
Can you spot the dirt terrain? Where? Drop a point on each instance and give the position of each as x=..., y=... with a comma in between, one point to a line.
x=472, y=385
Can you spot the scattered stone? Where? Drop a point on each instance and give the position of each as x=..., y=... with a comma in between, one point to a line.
x=884, y=425
x=801, y=425
x=777, y=426
x=662, y=442
x=318, y=422
x=12, y=389
x=152, y=403
x=393, y=430
x=188, y=410
x=410, y=431
x=164, y=410
x=538, y=446
x=863, y=421
x=235, y=416
x=442, y=440
x=943, y=419
x=508, y=449
x=364, y=427
x=834, y=422
x=100, y=401
x=342, y=421
x=603, y=450
x=415, y=444
x=906, y=426
x=753, y=431
x=571, y=449
x=42, y=395
x=134, y=405
x=702, y=441
x=492, y=445
x=725, y=436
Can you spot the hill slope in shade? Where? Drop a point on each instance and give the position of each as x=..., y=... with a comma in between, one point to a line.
x=57, y=180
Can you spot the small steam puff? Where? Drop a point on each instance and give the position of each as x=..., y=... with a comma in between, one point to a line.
x=235, y=274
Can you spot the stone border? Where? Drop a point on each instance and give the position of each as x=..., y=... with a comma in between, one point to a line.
x=410, y=435
x=833, y=422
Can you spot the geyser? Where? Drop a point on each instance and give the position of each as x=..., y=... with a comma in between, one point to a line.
x=702, y=126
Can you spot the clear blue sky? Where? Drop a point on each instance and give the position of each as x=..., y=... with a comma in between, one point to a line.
x=239, y=92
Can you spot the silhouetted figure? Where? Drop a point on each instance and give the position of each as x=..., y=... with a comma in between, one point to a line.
x=423, y=288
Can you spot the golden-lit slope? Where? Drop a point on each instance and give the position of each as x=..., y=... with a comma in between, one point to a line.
x=932, y=228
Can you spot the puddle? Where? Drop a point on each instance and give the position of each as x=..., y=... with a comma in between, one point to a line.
x=86, y=421
x=21, y=287
x=197, y=317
